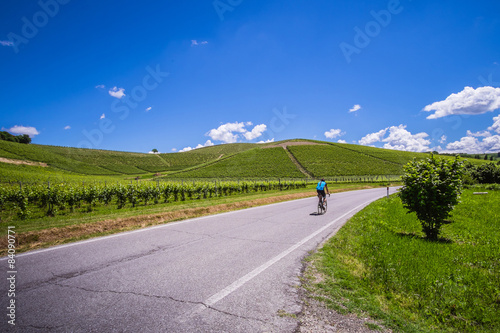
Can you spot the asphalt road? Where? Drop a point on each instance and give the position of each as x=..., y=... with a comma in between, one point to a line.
x=232, y=272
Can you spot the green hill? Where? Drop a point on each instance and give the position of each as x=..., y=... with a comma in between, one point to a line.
x=286, y=159
x=253, y=163
x=196, y=157
x=334, y=160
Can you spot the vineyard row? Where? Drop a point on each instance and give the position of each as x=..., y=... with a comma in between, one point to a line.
x=53, y=198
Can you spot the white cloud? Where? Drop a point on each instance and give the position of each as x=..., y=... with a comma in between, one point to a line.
x=334, y=133
x=174, y=150
x=267, y=141
x=67, y=127
x=468, y=101
x=207, y=144
x=399, y=139
x=496, y=125
x=100, y=86
x=185, y=149
x=355, y=108
x=102, y=116
x=479, y=134
x=478, y=142
x=149, y=109
x=230, y=132
x=194, y=42
x=472, y=145
x=373, y=137
x=256, y=132
x=443, y=139
x=31, y=131
x=226, y=132
x=341, y=141
x=6, y=43
x=117, y=92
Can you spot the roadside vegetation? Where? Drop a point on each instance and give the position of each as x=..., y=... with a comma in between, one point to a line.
x=421, y=260
x=381, y=264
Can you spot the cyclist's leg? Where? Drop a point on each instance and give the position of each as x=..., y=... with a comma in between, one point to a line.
x=321, y=198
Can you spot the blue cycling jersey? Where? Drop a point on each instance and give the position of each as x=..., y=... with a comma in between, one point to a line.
x=321, y=186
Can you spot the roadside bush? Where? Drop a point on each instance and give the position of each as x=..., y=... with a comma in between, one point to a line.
x=431, y=189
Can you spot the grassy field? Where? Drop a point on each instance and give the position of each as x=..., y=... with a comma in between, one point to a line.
x=334, y=160
x=380, y=265
x=198, y=157
x=254, y=163
x=389, y=155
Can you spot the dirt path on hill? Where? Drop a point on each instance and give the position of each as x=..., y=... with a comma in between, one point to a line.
x=18, y=162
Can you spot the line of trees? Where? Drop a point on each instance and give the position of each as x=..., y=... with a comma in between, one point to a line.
x=482, y=174
x=485, y=157
x=23, y=138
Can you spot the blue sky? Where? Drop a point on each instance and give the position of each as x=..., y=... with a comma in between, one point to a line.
x=175, y=75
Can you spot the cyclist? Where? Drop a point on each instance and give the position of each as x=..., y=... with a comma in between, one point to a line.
x=321, y=190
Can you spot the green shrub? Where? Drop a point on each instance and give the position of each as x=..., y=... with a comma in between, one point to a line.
x=431, y=189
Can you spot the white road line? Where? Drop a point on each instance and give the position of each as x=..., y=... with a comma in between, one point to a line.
x=244, y=279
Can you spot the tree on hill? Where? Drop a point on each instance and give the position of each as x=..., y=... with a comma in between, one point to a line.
x=431, y=189
x=154, y=150
x=23, y=138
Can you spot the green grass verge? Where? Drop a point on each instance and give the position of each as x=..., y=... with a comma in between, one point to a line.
x=379, y=264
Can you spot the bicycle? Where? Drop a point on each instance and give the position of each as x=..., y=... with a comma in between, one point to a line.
x=322, y=205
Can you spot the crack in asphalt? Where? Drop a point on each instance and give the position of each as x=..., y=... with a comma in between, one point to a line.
x=129, y=293
x=40, y=327
x=66, y=276
x=162, y=297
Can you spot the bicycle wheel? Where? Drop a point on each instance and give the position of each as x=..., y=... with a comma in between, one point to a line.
x=325, y=205
x=319, y=209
